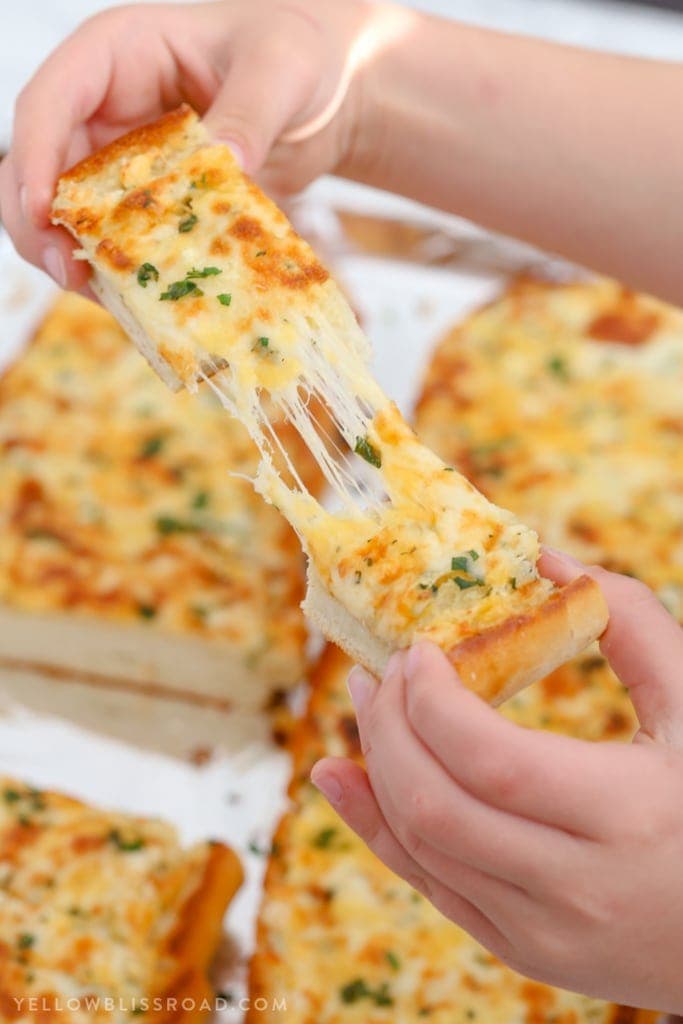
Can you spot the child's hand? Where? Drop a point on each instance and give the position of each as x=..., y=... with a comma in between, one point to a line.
x=260, y=68
x=564, y=858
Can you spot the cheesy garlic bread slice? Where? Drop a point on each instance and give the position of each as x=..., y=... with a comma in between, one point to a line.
x=131, y=559
x=214, y=286
x=105, y=917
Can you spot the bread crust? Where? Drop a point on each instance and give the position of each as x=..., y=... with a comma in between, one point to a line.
x=171, y=129
x=496, y=663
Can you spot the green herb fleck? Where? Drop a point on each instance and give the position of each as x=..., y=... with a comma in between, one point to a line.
x=26, y=940
x=167, y=525
x=179, y=289
x=558, y=366
x=464, y=584
x=187, y=223
x=359, y=989
x=124, y=844
x=10, y=796
x=146, y=611
x=513, y=582
x=357, y=576
x=323, y=839
x=147, y=272
x=261, y=252
x=263, y=342
x=205, y=272
x=367, y=451
x=459, y=562
x=225, y=298
x=151, y=447
x=393, y=960
x=201, y=499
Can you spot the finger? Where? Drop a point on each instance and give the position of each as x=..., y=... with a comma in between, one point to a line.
x=543, y=777
x=346, y=785
x=643, y=644
x=266, y=85
x=49, y=248
x=67, y=89
x=421, y=801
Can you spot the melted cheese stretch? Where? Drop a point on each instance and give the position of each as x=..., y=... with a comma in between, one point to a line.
x=434, y=559
x=184, y=245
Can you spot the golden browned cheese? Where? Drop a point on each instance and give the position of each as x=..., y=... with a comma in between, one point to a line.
x=121, y=503
x=563, y=402
x=103, y=916
x=342, y=940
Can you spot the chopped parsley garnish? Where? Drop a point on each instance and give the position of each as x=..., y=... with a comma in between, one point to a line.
x=26, y=940
x=10, y=796
x=147, y=272
x=558, y=366
x=201, y=499
x=225, y=298
x=187, y=223
x=357, y=576
x=460, y=561
x=179, y=289
x=202, y=182
x=393, y=960
x=146, y=611
x=465, y=584
x=513, y=582
x=263, y=342
x=205, y=272
x=123, y=843
x=323, y=839
x=261, y=252
x=151, y=447
x=359, y=989
x=367, y=451
x=167, y=525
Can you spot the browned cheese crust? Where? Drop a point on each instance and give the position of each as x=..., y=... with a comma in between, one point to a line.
x=104, y=915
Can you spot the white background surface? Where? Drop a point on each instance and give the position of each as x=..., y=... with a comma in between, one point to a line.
x=404, y=311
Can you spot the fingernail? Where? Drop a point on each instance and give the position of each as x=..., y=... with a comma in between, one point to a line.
x=53, y=261
x=328, y=784
x=237, y=152
x=23, y=203
x=361, y=685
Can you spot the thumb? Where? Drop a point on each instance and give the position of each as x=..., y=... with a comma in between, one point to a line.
x=264, y=89
x=643, y=643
